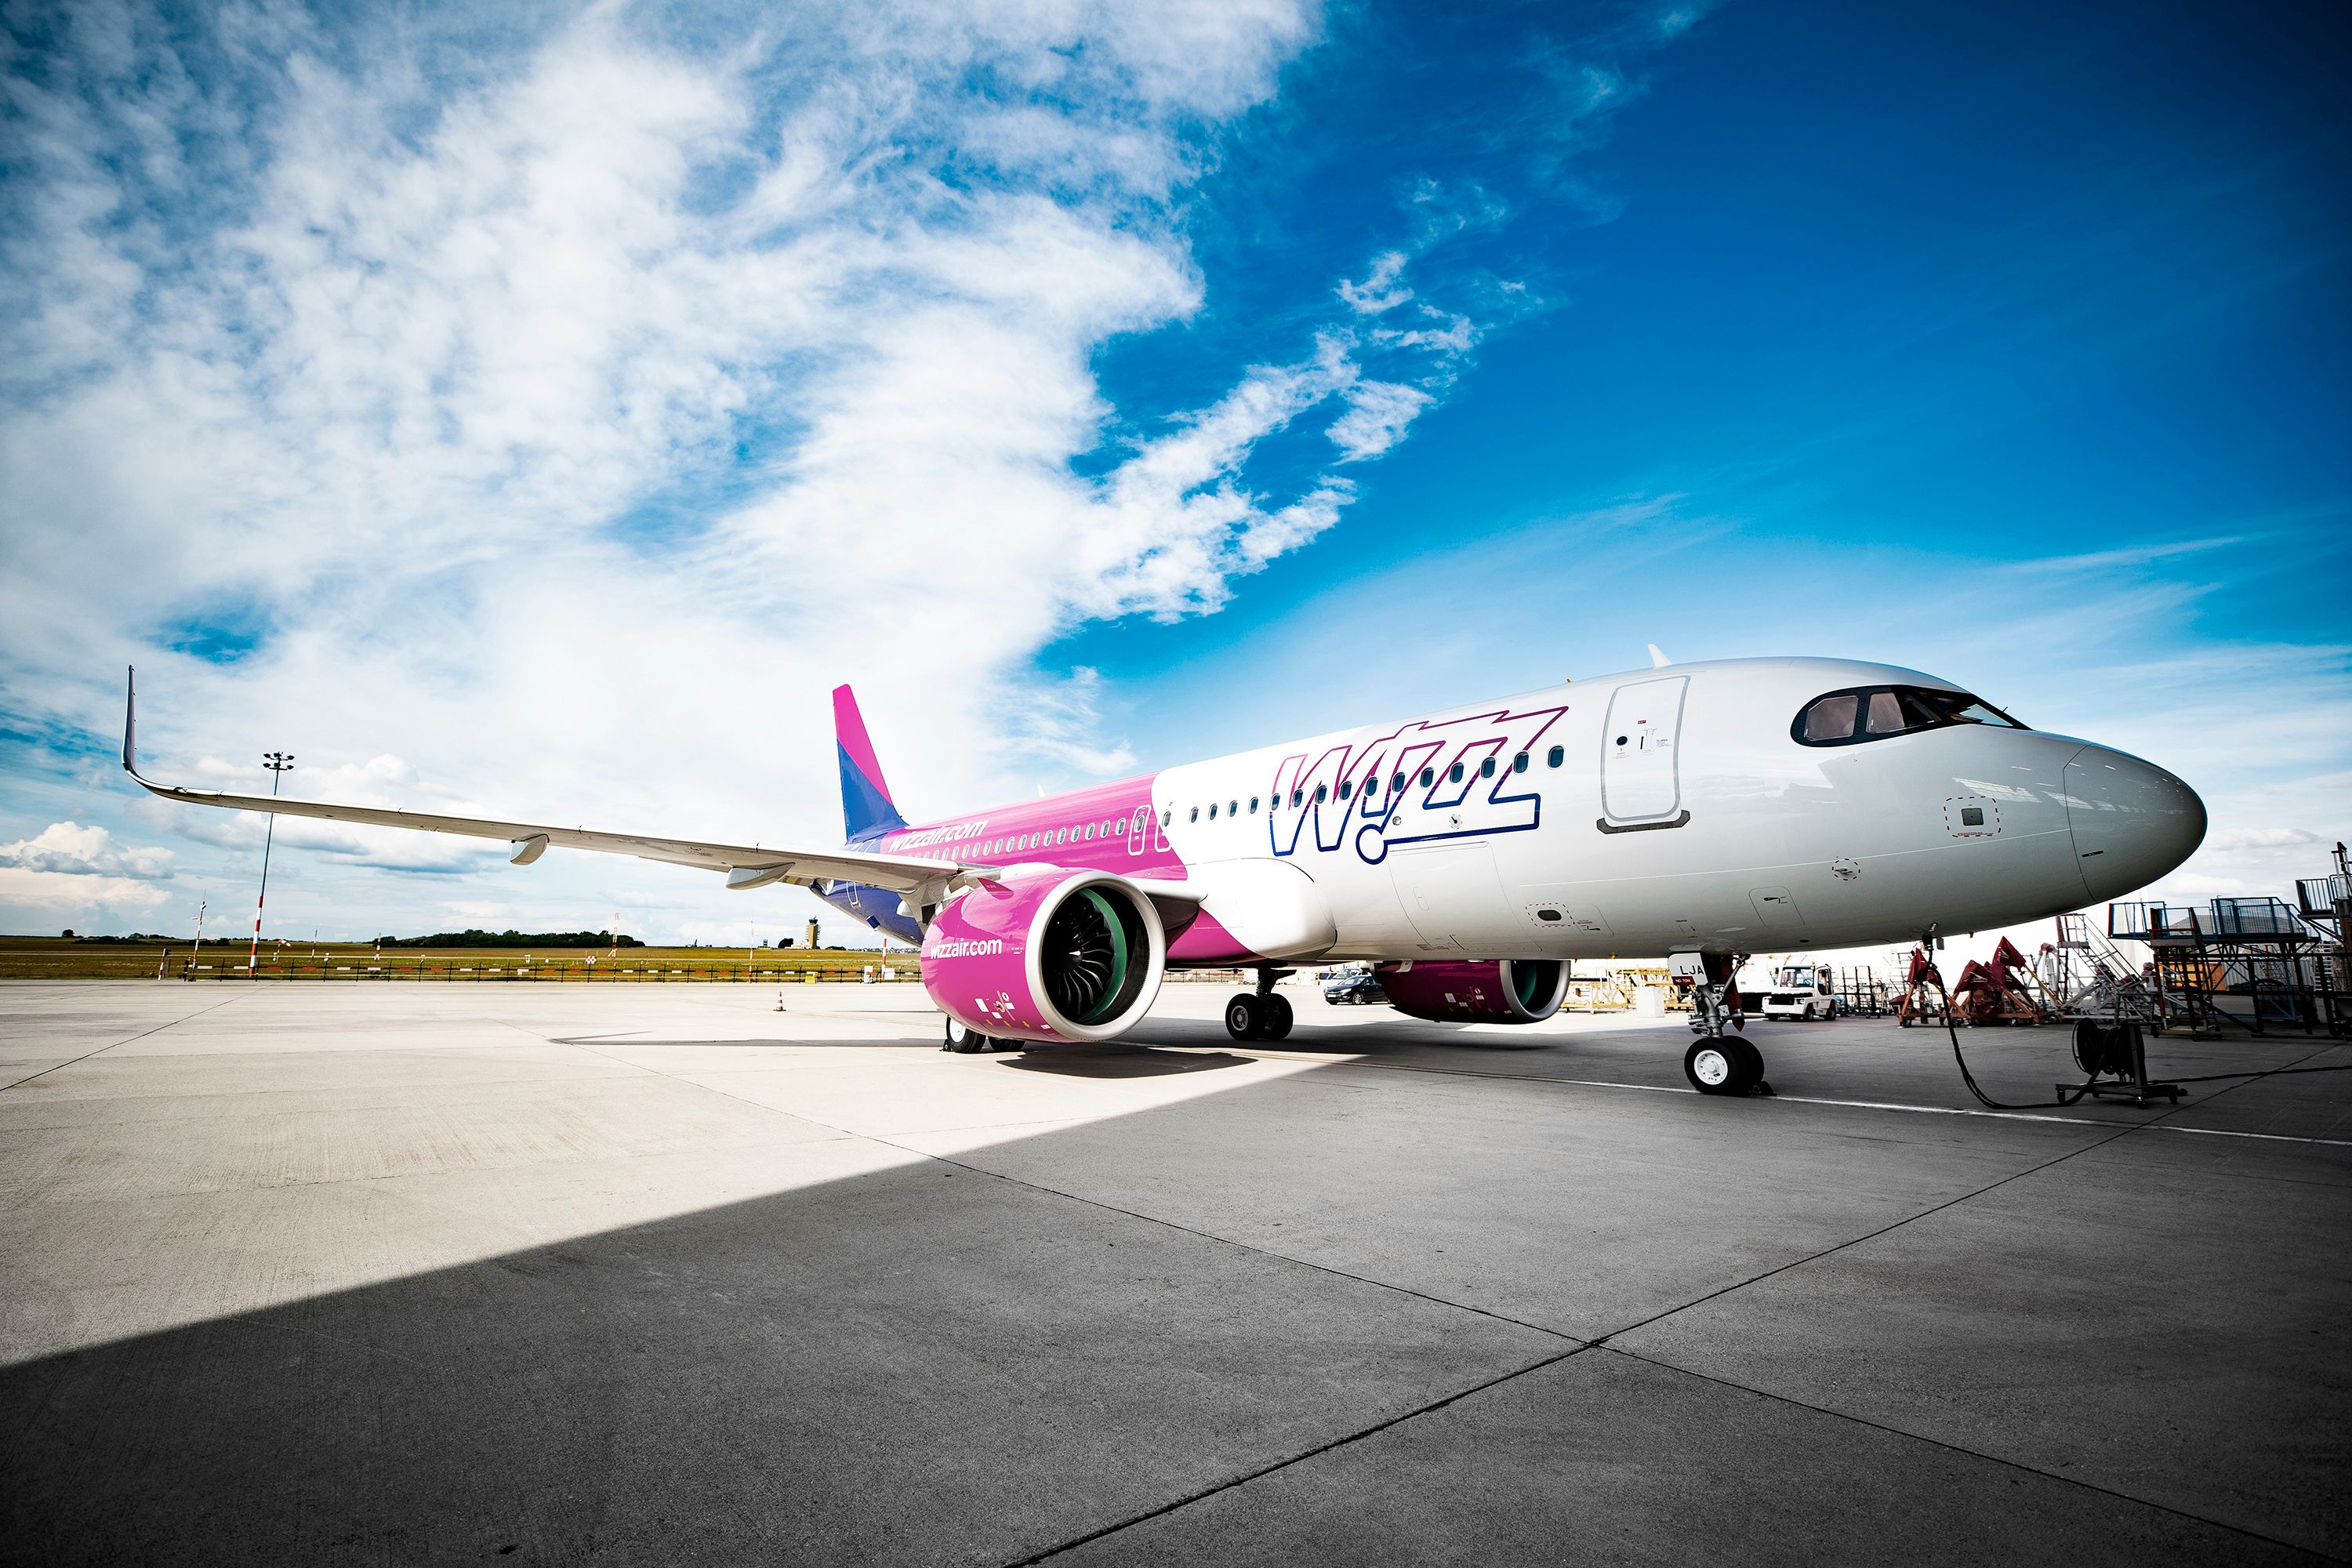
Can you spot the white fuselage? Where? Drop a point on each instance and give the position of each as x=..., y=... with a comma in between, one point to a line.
x=1661, y=811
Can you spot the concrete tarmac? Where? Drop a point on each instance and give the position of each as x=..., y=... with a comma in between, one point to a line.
x=328, y=1273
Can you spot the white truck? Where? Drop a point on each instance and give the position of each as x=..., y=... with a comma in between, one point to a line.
x=1795, y=991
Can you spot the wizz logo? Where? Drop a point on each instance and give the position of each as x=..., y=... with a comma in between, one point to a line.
x=1450, y=780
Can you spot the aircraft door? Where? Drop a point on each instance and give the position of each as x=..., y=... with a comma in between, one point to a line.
x=1137, y=839
x=1640, y=745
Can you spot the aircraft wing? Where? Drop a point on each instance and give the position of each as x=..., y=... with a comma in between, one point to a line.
x=746, y=865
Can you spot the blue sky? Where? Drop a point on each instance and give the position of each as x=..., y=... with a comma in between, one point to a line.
x=541, y=418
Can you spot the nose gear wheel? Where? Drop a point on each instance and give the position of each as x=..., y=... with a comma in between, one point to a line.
x=1724, y=1064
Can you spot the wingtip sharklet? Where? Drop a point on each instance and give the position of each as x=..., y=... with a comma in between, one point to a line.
x=130, y=720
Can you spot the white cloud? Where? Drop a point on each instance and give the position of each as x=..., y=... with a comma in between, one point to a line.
x=1380, y=291
x=68, y=848
x=2263, y=839
x=84, y=902
x=568, y=423
x=1378, y=414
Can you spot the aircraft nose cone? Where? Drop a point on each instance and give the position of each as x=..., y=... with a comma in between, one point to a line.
x=2132, y=821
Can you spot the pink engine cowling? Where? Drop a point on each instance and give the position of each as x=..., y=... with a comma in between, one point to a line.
x=1056, y=957
x=1490, y=991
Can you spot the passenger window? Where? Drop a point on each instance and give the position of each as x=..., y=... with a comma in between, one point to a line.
x=1428, y=778
x=1195, y=817
x=1519, y=764
x=1166, y=817
x=1298, y=797
x=1232, y=808
x=1453, y=774
x=1322, y=794
x=1831, y=718
x=1212, y=811
x=1554, y=757
x=1487, y=768
x=1090, y=829
x=1253, y=806
x=1343, y=789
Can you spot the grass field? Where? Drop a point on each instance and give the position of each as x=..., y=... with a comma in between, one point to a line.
x=56, y=958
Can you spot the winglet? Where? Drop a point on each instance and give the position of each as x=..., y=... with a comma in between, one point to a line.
x=1658, y=659
x=131, y=721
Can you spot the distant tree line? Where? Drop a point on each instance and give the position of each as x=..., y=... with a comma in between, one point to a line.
x=511, y=939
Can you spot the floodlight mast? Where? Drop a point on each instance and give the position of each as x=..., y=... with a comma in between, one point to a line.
x=277, y=762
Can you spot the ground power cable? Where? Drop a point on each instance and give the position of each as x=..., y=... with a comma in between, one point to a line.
x=1951, y=1028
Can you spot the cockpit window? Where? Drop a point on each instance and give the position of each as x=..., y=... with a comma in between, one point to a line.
x=1875, y=713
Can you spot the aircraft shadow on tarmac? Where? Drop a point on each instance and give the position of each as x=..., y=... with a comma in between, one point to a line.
x=636, y=1043
x=928, y=1362
x=1120, y=1061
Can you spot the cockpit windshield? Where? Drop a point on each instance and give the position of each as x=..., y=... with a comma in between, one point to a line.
x=1877, y=712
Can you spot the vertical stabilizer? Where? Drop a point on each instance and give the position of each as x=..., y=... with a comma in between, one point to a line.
x=866, y=811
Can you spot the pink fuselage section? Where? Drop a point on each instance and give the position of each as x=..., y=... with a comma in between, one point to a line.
x=1109, y=827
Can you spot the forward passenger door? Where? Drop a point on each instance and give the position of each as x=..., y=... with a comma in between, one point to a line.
x=1641, y=774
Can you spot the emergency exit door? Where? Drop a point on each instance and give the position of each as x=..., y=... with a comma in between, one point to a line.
x=1641, y=746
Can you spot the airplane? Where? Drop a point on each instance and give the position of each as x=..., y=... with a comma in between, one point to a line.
x=1700, y=812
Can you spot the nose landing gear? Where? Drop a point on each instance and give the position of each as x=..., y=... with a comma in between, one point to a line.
x=1717, y=1062
x=1260, y=1014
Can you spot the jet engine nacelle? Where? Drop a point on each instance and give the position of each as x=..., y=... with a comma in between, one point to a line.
x=1491, y=991
x=1050, y=956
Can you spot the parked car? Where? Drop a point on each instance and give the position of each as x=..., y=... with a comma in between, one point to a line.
x=1355, y=984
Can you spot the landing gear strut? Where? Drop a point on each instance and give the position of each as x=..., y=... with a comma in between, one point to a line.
x=1715, y=992
x=1718, y=1063
x=1260, y=1014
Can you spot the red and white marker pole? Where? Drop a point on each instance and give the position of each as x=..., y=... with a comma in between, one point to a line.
x=277, y=762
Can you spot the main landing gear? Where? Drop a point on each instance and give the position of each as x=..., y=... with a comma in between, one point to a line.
x=1718, y=1062
x=1260, y=1014
x=965, y=1040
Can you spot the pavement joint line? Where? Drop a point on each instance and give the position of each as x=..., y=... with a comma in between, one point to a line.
x=127, y=1039
x=1950, y=1446
x=1229, y=1241
x=1576, y=1346
x=1339, y=1442
x=1799, y=1098
x=889, y=1141
x=1866, y=1236
x=1600, y=1342
x=1603, y=1342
